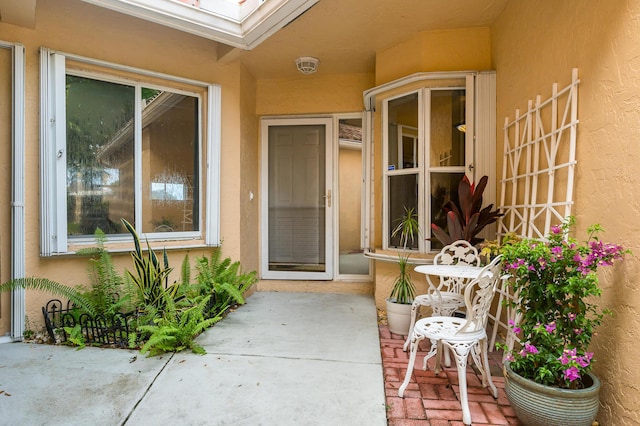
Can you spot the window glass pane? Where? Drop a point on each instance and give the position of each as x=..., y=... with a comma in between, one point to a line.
x=403, y=132
x=169, y=161
x=99, y=155
x=403, y=194
x=444, y=188
x=447, y=128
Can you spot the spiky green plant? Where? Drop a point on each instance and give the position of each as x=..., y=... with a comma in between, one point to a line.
x=403, y=290
x=150, y=278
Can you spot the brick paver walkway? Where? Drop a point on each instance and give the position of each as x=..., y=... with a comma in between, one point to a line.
x=432, y=400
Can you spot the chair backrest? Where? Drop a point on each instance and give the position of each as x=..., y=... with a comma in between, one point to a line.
x=459, y=252
x=478, y=295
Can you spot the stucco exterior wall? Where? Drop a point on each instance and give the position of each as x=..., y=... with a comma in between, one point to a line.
x=312, y=94
x=445, y=50
x=76, y=27
x=536, y=44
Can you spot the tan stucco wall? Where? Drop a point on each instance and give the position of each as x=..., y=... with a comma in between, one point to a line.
x=536, y=44
x=444, y=50
x=77, y=27
x=311, y=94
x=250, y=175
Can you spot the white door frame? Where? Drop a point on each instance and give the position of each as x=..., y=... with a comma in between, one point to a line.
x=18, y=190
x=265, y=273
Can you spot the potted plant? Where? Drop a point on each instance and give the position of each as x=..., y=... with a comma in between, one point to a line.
x=403, y=291
x=466, y=220
x=556, y=284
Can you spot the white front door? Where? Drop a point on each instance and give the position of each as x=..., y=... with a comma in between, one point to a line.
x=296, y=199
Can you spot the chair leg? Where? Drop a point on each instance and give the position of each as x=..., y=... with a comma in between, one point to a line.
x=461, y=353
x=486, y=376
x=414, y=314
x=415, y=342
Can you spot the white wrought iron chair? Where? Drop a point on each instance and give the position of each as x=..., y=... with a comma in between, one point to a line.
x=462, y=336
x=445, y=296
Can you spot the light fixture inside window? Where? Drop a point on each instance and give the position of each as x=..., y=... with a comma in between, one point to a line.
x=307, y=64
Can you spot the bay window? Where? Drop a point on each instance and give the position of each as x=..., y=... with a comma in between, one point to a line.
x=428, y=146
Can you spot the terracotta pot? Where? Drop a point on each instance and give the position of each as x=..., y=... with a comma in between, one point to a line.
x=540, y=405
x=398, y=317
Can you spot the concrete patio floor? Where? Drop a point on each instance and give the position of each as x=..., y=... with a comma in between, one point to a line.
x=282, y=359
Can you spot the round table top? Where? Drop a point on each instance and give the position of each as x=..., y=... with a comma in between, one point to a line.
x=458, y=271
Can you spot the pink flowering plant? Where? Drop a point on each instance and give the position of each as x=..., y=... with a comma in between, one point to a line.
x=556, y=280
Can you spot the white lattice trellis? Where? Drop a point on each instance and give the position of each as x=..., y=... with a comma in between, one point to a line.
x=537, y=174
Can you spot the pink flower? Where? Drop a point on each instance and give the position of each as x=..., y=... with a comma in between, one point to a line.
x=572, y=316
x=550, y=327
x=528, y=347
x=571, y=374
x=509, y=357
x=583, y=361
x=556, y=229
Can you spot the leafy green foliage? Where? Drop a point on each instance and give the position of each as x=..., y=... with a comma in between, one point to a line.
x=223, y=281
x=75, y=336
x=107, y=285
x=161, y=317
x=466, y=220
x=53, y=287
x=177, y=328
x=556, y=282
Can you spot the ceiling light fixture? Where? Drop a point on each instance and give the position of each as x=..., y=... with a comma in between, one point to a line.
x=307, y=64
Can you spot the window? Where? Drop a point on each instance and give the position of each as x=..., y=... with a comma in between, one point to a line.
x=125, y=148
x=425, y=156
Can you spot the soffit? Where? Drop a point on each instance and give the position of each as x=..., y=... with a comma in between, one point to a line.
x=345, y=35
x=242, y=24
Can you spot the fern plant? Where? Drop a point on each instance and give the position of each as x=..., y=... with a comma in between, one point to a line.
x=76, y=297
x=223, y=281
x=107, y=292
x=176, y=330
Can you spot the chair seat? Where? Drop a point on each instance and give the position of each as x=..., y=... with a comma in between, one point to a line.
x=446, y=303
x=447, y=328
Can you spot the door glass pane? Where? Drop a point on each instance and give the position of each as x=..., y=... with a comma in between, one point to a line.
x=403, y=195
x=169, y=162
x=447, y=128
x=402, y=132
x=297, y=198
x=444, y=188
x=351, y=258
x=99, y=155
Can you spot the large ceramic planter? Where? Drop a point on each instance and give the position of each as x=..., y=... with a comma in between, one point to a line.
x=398, y=317
x=539, y=405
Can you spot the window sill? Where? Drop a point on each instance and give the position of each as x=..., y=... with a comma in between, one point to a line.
x=392, y=256
x=127, y=246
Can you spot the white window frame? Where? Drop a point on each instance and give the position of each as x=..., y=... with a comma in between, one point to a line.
x=481, y=129
x=53, y=214
x=424, y=169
